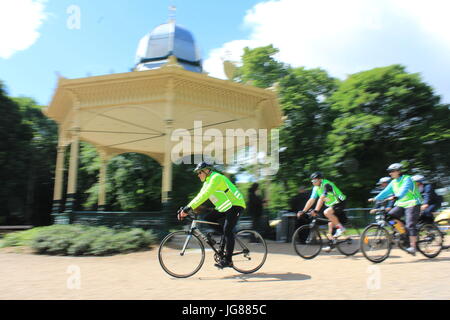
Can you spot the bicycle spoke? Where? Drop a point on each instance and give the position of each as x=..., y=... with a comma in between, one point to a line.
x=429, y=240
x=307, y=242
x=250, y=251
x=375, y=243
x=181, y=254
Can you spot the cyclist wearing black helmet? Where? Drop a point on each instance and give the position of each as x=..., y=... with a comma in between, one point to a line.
x=327, y=192
x=228, y=201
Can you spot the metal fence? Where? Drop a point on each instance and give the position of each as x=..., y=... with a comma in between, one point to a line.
x=162, y=222
x=359, y=218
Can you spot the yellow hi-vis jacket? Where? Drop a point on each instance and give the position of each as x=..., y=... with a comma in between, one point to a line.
x=221, y=191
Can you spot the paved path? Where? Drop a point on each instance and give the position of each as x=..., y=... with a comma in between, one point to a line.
x=285, y=276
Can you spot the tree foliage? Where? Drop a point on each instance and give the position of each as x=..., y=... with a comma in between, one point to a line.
x=27, y=156
x=352, y=129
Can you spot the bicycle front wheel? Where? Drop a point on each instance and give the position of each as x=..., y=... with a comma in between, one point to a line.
x=307, y=242
x=375, y=243
x=349, y=244
x=429, y=240
x=250, y=251
x=181, y=254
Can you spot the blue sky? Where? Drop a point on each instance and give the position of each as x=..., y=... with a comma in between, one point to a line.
x=108, y=38
x=343, y=37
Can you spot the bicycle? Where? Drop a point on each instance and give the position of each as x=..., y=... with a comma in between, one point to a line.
x=182, y=253
x=379, y=237
x=307, y=240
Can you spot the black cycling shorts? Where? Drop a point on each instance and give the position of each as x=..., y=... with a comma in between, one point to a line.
x=339, y=211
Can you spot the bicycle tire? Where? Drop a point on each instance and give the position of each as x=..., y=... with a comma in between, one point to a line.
x=350, y=246
x=426, y=235
x=381, y=237
x=171, y=259
x=307, y=242
x=249, y=247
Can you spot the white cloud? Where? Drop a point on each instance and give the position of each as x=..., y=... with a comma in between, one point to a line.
x=348, y=36
x=19, y=24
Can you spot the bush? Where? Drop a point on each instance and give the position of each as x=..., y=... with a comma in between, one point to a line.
x=76, y=240
x=21, y=238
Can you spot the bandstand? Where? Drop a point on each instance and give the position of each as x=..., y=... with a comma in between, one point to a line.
x=139, y=111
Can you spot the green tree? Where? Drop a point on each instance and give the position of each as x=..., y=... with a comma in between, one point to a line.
x=303, y=97
x=40, y=162
x=27, y=155
x=15, y=137
x=384, y=115
x=259, y=67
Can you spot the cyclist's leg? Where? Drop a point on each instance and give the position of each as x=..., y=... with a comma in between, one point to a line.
x=329, y=213
x=397, y=213
x=231, y=218
x=333, y=213
x=412, y=217
x=217, y=217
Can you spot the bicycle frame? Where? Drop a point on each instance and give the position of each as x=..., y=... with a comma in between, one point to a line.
x=382, y=219
x=314, y=225
x=195, y=230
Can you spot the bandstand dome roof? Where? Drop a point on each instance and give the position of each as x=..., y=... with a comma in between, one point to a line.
x=165, y=40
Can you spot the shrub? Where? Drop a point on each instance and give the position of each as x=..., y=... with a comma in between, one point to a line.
x=21, y=238
x=78, y=240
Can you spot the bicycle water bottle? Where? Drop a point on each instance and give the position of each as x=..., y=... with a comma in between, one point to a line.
x=398, y=226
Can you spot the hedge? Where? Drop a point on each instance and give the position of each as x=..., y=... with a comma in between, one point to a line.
x=77, y=240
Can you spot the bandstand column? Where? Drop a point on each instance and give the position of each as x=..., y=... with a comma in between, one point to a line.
x=59, y=177
x=166, y=193
x=73, y=173
x=102, y=182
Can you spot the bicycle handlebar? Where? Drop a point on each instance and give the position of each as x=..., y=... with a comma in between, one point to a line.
x=191, y=214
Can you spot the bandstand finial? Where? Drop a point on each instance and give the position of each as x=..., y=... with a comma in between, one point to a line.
x=172, y=12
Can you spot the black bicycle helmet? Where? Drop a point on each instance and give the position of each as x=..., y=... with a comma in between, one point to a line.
x=317, y=175
x=202, y=165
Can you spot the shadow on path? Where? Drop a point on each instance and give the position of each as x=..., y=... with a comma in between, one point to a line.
x=423, y=259
x=263, y=277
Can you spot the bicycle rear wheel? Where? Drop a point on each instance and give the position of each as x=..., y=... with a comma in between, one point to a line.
x=181, y=254
x=375, y=243
x=429, y=240
x=307, y=242
x=250, y=251
x=349, y=244
x=444, y=226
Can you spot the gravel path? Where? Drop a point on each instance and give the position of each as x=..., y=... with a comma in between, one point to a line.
x=285, y=276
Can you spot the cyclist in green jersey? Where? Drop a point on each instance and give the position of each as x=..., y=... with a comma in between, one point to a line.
x=228, y=201
x=329, y=194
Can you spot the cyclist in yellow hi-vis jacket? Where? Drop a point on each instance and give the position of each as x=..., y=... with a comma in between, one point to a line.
x=228, y=201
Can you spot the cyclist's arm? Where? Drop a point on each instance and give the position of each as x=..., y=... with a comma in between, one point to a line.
x=386, y=192
x=204, y=193
x=320, y=203
x=312, y=200
x=309, y=204
x=427, y=194
x=328, y=188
